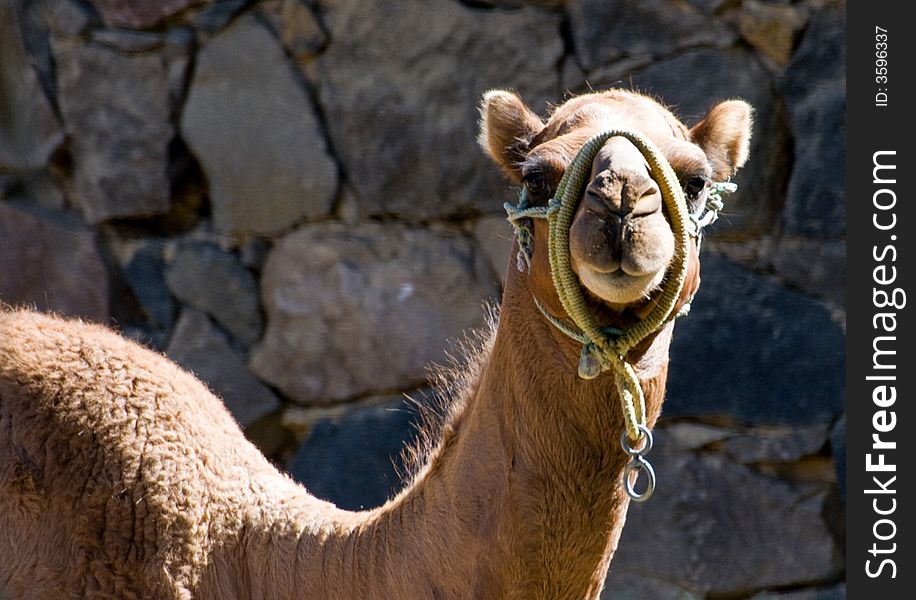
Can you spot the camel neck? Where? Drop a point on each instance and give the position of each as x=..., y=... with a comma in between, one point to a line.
x=522, y=497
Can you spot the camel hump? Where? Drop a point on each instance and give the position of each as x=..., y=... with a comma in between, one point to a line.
x=133, y=454
x=87, y=389
x=49, y=356
x=41, y=347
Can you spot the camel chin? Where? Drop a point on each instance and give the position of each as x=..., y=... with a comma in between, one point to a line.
x=619, y=287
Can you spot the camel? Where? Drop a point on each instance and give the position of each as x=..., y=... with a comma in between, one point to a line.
x=122, y=476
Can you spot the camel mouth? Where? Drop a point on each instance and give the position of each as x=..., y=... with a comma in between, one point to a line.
x=619, y=287
x=621, y=261
x=622, y=267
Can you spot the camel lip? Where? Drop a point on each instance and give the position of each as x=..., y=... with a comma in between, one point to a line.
x=621, y=275
x=619, y=270
x=618, y=287
x=608, y=271
x=634, y=273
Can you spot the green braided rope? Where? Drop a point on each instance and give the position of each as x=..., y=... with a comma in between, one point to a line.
x=516, y=216
x=571, y=331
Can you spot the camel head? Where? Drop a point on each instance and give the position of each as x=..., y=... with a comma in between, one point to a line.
x=621, y=242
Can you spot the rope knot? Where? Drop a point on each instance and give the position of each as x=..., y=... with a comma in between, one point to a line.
x=715, y=202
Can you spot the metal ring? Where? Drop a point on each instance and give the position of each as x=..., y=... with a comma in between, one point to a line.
x=633, y=451
x=638, y=464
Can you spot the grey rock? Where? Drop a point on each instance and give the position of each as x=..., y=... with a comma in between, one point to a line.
x=253, y=252
x=400, y=84
x=520, y=3
x=821, y=54
x=202, y=349
x=36, y=25
x=838, y=448
x=572, y=77
x=694, y=82
x=835, y=592
x=137, y=14
x=29, y=129
x=116, y=110
x=716, y=527
x=709, y=7
x=815, y=202
x=127, y=40
x=621, y=585
x=301, y=420
x=353, y=311
x=8, y=185
x=254, y=130
x=154, y=339
x=780, y=444
x=354, y=460
x=495, y=237
x=214, y=17
x=214, y=281
x=145, y=274
x=38, y=188
x=755, y=351
x=604, y=32
x=51, y=263
x=176, y=50
x=817, y=267
x=815, y=91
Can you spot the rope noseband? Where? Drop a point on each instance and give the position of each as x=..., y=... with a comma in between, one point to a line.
x=606, y=348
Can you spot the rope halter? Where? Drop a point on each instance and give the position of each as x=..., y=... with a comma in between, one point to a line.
x=605, y=348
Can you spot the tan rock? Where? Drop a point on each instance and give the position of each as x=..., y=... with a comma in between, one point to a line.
x=771, y=28
x=351, y=311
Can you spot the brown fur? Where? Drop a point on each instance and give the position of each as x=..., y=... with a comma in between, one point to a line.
x=722, y=136
x=122, y=476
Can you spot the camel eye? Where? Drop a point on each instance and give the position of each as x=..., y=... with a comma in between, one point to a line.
x=693, y=187
x=538, y=188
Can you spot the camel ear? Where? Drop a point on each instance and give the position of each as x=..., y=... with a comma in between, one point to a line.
x=507, y=127
x=725, y=135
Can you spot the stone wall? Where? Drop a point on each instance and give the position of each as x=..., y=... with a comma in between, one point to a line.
x=286, y=197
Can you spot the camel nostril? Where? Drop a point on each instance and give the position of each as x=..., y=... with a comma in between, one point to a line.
x=649, y=191
x=647, y=200
x=604, y=204
x=624, y=194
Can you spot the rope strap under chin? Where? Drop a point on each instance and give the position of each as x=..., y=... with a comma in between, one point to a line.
x=606, y=348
